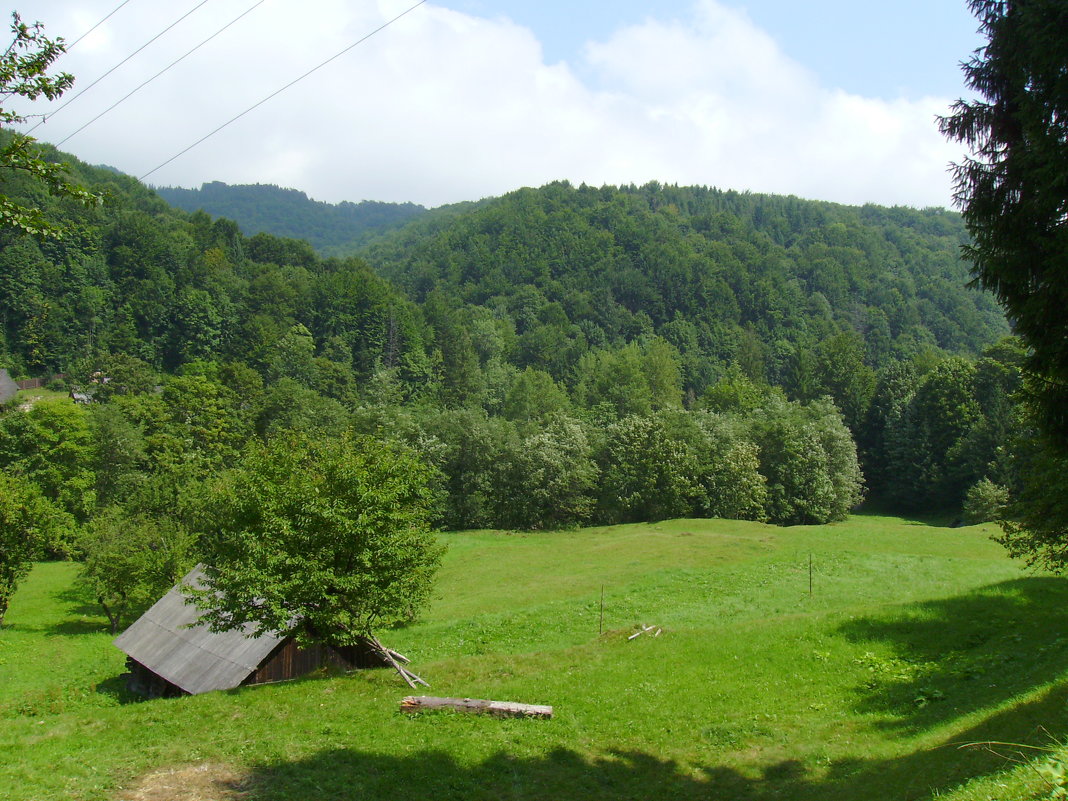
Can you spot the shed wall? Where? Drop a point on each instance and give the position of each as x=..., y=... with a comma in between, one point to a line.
x=289, y=661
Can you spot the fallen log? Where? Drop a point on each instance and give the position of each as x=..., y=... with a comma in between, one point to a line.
x=500, y=709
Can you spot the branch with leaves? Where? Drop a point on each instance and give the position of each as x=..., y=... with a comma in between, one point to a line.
x=24, y=73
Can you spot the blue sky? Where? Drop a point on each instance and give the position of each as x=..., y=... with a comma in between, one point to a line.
x=907, y=47
x=462, y=99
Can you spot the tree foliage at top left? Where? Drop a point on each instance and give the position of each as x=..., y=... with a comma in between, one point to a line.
x=24, y=73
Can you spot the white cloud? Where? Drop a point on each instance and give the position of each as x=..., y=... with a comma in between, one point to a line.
x=444, y=106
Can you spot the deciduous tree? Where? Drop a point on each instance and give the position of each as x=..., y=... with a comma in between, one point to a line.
x=128, y=562
x=24, y=68
x=325, y=539
x=27, y=522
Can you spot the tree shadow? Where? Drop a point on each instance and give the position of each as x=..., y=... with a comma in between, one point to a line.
x=119, y=691
x=79, y=601
x=946, y=518
x=80, y=614
x=342, y=774
x=83, y=613
x=955, y=656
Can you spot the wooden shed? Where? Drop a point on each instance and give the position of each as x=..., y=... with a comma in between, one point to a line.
x=169, y=653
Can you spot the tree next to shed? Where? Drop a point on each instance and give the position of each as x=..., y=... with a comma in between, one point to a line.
x=324, y=540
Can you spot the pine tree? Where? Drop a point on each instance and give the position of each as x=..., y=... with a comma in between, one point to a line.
x=1014, y=189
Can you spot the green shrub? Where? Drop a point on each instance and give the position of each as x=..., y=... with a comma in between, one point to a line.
x=985, y=501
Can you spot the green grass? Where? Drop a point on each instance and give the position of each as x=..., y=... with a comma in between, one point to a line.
x=41, y=395
x=915, y=639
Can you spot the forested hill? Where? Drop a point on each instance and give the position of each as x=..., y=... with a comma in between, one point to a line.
x=770, y=283
x=805, y=295
x=138, y=277
x=332, y=229
x=559, y=355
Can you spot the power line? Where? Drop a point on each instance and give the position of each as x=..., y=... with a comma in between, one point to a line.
x=109, y=16
x=279, y=91
x=173, y=63
x=47, y=117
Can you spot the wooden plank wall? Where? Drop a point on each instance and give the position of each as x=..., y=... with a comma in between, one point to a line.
x=288, y=661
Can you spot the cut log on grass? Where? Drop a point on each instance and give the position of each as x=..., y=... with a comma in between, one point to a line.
x=500, y=709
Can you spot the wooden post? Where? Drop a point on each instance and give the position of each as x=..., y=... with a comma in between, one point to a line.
x=810, y=574
x=600, y=626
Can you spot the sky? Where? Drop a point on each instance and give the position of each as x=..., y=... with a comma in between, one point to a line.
x=464, y=99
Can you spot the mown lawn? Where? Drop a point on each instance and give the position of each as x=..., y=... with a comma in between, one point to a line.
x=914, y=639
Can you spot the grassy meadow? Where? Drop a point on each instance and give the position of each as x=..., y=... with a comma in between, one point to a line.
x=915, y=639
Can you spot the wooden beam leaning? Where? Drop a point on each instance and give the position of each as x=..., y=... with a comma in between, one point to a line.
x=395, y=659
x=500, y=709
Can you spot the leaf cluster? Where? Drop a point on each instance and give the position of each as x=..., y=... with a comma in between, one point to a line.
x=24, y=73
x=327, y=539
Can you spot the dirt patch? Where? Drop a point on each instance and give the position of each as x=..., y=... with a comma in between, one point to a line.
x=204, y=781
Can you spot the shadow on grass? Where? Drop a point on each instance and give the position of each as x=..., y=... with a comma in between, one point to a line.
x=955, y=656
x=80, y=613
x=78, y=600
x=947, y=518
x=116, y=688
x=342, y=774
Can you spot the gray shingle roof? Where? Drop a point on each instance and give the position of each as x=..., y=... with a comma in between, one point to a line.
x=193, y=657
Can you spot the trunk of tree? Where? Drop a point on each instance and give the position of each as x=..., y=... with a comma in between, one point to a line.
x=113, y=619
x=3, y=606
x=500, y=709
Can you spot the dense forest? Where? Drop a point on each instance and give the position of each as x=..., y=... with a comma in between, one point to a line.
x=300, y=398
x=764, y=282
x=333, y=229
x=556, y=356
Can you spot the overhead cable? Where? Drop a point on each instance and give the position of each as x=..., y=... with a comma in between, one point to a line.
x=279, y=91
x=173, y=63
x=72, y=44
x=48, y=116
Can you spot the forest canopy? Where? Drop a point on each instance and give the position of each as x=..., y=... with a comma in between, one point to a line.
x=555, y=357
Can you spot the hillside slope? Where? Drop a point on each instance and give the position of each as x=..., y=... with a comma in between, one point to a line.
x=333, y=229
x=914, y=638
x=725, y=277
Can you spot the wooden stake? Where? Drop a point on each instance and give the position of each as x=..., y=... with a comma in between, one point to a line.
x=810, y=575
x=600, y=626
x=410, y=678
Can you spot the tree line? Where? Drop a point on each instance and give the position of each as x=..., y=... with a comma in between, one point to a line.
x=550, y=358
x=556, y=357
x=333, y=229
